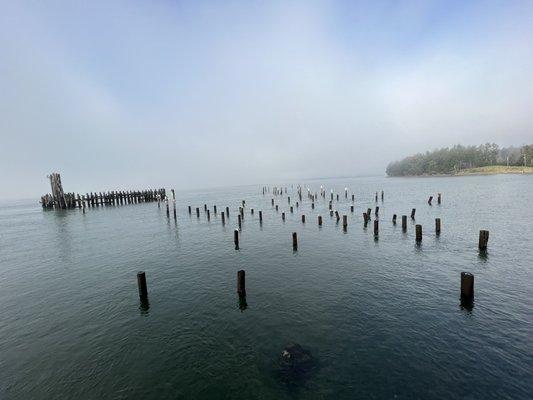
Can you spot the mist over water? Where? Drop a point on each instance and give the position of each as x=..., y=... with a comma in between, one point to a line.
x=382, y=318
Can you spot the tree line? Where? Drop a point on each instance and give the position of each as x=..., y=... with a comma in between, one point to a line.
x=450, y=160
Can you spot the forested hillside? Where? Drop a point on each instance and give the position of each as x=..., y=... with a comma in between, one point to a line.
x=451, y=160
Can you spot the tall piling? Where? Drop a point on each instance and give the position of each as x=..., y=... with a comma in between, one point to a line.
x=141, y=284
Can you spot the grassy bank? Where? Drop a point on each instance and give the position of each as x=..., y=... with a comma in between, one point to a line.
x=496, y=169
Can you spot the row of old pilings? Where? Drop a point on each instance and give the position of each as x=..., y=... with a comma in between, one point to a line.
x=113, y=198
x=466, y=297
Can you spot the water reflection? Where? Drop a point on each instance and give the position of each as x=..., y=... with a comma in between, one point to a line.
x=144, y=306
x=243, y=305
x=467, y=304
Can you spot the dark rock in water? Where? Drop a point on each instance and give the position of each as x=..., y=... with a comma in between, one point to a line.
x=296, y=364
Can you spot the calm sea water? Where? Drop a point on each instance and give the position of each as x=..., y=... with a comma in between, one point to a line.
x=382, y=318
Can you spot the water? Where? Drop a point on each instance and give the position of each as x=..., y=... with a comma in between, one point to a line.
x=382, y=318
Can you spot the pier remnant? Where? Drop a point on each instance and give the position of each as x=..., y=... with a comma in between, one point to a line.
x=467, y=286
x=483, y=240
x=418, y=231
x=241, y=283
x=141, y=283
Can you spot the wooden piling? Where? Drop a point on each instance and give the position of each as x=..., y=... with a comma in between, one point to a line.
x=418, y=230
x=413, y=211
x=141, y=283
x=394, y=219
x=227, y=212
x=382, y=195
x=168, y=210
x=294, y=241
x=438, y=198
x=467, y=286
x=368, y=213
x=437, y=226
x=345, y=221
x=430, y=200
x=377, y=211
x=353, y=197
x=320, y=220
x=198, y=212
x=208, y=215
x=283, y=216
x=215, y=210
x=351, y=209
x=189, y=209
x=241, y=283
x=174, y=211
x=239, y=219
x=303, y=218
x=404, y=223
x=313, y=206
x=260, y=217
x=483, y=240
x=223, y=217
x=376, y=228
x=365, y=219
x=236, y=238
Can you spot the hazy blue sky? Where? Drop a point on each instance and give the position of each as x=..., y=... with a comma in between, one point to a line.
x=118, y=94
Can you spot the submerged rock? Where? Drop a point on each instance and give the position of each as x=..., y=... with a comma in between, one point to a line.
x=296, y=364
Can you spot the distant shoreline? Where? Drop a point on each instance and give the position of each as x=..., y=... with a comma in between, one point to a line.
x=489, y=170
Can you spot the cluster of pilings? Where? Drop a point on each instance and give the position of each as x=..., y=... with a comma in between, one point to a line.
x=467, y=279
x=60, y=200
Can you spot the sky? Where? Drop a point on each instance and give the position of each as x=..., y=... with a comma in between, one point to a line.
x=139, y=94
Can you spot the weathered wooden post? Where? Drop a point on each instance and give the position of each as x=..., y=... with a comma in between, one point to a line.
x=377, y=211
x=241, y=283
x=437, y=226
x=276, y=207
x=413, y=211
x=251, y=211
x=351, y=209
x=353, y=197
x=320, y=220
x=205, y=207
x=239, y=220
x=168, y=210
x=438, y=198
x=376, y=228
x=141, y=283
x=313, y=206
x=294, y=241
x=175, y=217
x=283, y=216
x=260, y=217
x=223, y=217
x=368, y=213
x=227, y=212
x=430, y=200
x=198, y=212
x=404, y=223
x=236, y=238
x=382, y=195
x=337, y=197
x=467, y=286
x=365, y=218
x=483, y=240
x=376, y=197
x=394, y=219
x=297, y=204
x=189, y=209
x=208, y=215
x=303, y=218
x=345, y=221
x=289, y=199
x=418, y=229
x=272, y=201
x=215, y=210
